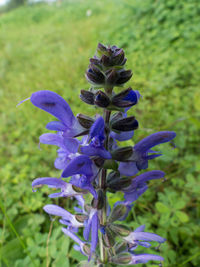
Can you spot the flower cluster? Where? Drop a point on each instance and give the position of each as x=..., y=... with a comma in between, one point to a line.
x=93, y=163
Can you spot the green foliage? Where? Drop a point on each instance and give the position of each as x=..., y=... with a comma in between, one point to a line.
x=48, y=47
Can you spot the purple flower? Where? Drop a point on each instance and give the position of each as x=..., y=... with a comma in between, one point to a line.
x=138, y=236
x=66, y=188
x=140, y=157
x=144, y=258
x=92, y=226
x=81, y=244
x=58, y=107
x=96, y=146
x=138, y=185
x=79, y=165
x=66, y=217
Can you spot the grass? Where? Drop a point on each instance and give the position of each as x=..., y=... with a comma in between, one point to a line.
x=48, y=47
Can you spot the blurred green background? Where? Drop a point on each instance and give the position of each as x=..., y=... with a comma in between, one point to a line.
x=45, y=46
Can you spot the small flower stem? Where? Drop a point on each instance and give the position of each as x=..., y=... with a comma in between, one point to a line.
x=102, y=184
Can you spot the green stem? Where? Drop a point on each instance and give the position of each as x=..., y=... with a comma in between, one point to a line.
x=102, y=185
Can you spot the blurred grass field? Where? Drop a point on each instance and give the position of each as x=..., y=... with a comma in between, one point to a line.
x=48, y=47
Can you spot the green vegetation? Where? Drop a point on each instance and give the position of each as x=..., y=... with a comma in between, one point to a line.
x=48, y=47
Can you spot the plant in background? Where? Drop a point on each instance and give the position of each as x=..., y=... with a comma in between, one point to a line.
x=93, y=164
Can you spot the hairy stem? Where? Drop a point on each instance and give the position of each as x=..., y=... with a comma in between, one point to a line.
x=102, y=184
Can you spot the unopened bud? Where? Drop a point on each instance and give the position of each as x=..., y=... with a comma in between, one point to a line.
x=126, y=124
x=124, y=76
x=126, y=98
x=117, y=212
x=101, y=49
x=94, y=75
x=101, y=99
x=123, y=258
x=120, y=229
x=118, y=57
x=111, y=77
x=87, y=97
x=105, y=61
x=84, y=120
x=122, y=153
x=99, y=202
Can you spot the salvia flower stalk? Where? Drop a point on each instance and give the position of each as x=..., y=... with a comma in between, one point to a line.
x=92, y=162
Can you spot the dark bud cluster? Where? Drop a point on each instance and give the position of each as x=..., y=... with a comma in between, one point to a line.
x=107, y=67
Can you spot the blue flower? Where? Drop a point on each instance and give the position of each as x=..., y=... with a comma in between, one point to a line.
x=140, y=157
x=59, y=108
x=96, y=146
x=138, y=185
x=138, y=236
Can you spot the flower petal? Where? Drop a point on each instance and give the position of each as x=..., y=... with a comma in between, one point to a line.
x=154, y=139
x=144, y=258
x=51, y=182
x=52, y=139
x=128, y=168
x=58, y=211
x=79, y=165
x=53, y=104
x=96, y=151
x=56, y=126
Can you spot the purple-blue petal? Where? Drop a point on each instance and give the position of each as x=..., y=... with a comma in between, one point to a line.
x=51, y=182
x=97, y=128
x=144, y=177
x=56, y=126
x=154, y=139
x=53, y=104
x=79, y=165
x=128, y=168
x=94, y=232
x=96, y=151
x=144, y=258
x=144, y=236
x=52, y=139
x=57, y=211
x=71, y=144
x=123, y=136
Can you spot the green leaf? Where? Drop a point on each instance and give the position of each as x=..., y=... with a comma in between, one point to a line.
x=182, y=216
x=162, y=208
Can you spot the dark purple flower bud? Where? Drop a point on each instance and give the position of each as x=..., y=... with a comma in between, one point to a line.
x=126, y=98
x=87, y=97
x=105, y=61
x=125, y=125
x=95, y=76
x=118, y=57
x=101, y=99
x=111, y=77
x=124, y=76
x=117, y=212
x=122, y=153
x=122, y=259
x=101, y=48
x=85, y=121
